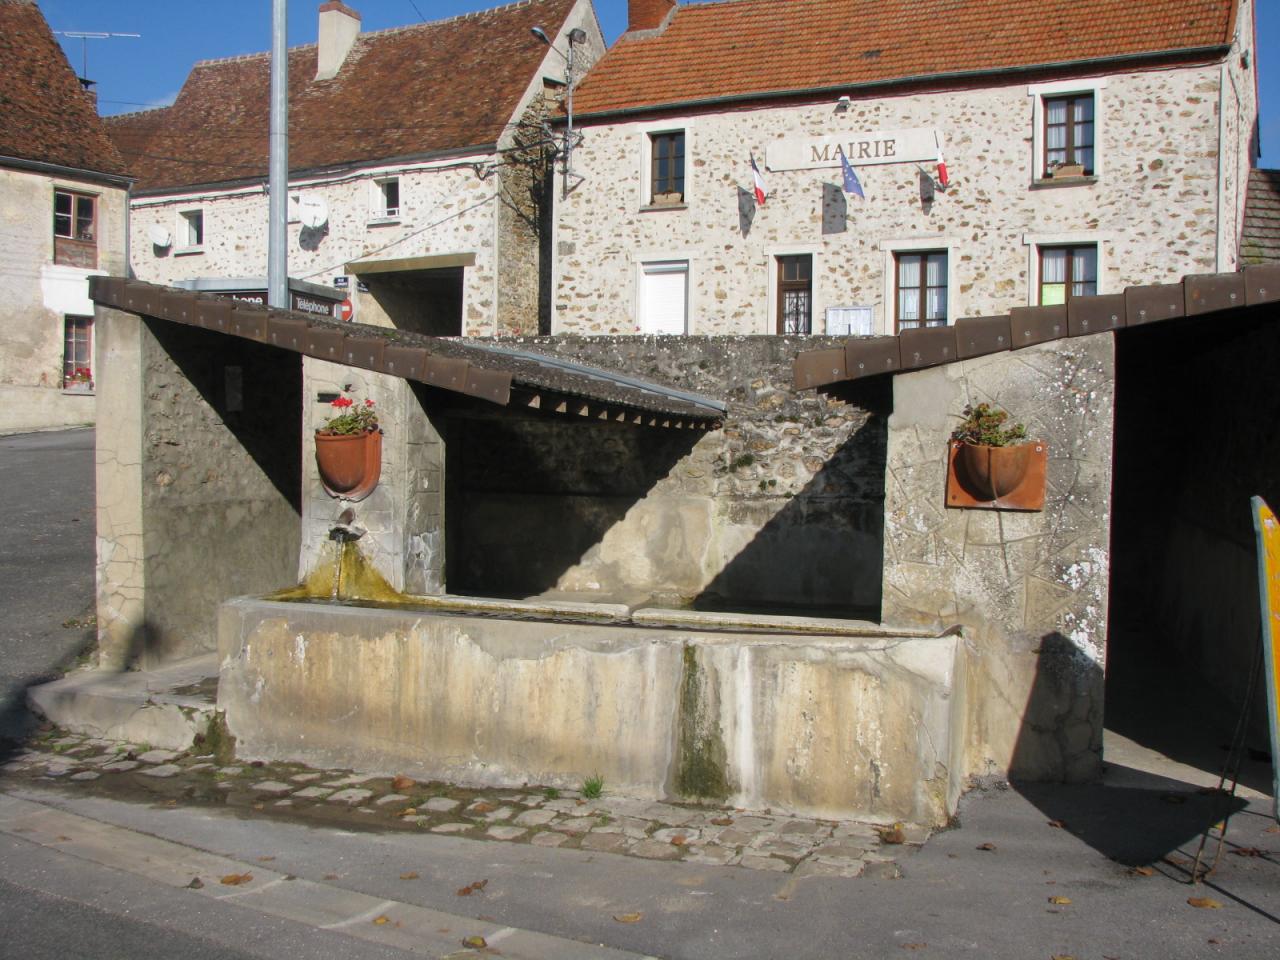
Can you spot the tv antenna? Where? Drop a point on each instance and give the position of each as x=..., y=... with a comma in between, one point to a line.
x=84, y=36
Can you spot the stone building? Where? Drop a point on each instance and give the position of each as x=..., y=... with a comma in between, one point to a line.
x=418, y=169
x=62, y=220
x=1089, y=145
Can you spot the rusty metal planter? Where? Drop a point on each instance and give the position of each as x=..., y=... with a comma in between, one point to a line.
x=350, y=465
x=997, y=478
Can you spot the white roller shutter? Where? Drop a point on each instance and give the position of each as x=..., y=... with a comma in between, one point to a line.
x=664, y=297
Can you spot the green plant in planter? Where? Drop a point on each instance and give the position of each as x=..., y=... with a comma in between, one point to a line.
x=984, y=426
x=351, y=418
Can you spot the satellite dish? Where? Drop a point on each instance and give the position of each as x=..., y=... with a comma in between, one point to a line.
x=159, y=235
x=313, y=212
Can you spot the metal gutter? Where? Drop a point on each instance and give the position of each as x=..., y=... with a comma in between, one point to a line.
x=39, y=166
x=605, y=376
x=1190, y=54
x=308, y=172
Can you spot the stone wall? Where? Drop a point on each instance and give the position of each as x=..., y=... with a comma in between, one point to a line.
x=1155, y=208
x=197, y=483
x=1029, y=588
x=447, y=208
x=780, y=507
x=36, y=295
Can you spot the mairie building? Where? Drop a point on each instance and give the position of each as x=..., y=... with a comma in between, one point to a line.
x=915, y=161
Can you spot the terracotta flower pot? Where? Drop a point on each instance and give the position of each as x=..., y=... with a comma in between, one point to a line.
x=994, y=472
x=349, y=464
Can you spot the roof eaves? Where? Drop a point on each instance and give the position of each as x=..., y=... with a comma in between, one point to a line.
x=40, y=166
x=1188, y=54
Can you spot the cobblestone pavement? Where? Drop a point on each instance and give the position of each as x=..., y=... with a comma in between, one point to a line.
x=544, y=817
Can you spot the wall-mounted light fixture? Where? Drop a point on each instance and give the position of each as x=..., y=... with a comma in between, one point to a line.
x=842, y=105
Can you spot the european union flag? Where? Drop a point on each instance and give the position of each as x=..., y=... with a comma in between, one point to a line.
x=851, y=182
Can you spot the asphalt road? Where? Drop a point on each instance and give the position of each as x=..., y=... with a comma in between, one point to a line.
x=46, y=559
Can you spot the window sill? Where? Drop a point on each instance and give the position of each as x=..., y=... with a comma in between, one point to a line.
x=188, y=251
x=383, y=221
x=653, y=207
x=1063, y=181
x=86, y=391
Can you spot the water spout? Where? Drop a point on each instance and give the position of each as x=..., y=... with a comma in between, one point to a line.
x=343, y=533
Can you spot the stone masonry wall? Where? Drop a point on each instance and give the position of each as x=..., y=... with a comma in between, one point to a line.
x=1030, y=588
x=445, y=210
x=1153, y=210
x=782, y=506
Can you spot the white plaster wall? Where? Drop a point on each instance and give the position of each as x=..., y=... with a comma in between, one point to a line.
x=35, y=294
x=446, y=209
x=1154, y=207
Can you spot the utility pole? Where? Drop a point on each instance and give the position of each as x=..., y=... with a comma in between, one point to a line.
x=278, y=174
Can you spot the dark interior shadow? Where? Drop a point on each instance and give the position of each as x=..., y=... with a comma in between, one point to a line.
x=820, y=552
x=16, y=720
x=255, y=389
x=528, y=497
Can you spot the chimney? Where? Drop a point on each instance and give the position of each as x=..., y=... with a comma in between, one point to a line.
x=648, y=14
x=339, y=27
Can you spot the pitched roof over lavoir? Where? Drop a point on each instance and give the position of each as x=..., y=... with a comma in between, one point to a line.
x=755, y=48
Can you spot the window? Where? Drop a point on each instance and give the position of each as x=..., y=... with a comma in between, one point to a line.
x=1067, y=272
x=795, y=294
x=386, y=199
x=1068, y=133
x=75, y=229
x=193, y=229
x=920, y=289
x=77, y=351
x=666, y=175
x=664, y=297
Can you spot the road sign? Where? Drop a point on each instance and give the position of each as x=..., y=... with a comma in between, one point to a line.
x=345, y=310
x=1268, y=529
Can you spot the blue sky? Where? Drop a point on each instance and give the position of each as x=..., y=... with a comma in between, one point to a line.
x=133, y=74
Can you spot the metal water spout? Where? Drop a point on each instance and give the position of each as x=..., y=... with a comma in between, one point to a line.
x=345, y=531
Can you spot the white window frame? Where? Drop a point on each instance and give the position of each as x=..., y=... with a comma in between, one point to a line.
x=673, y=261
x=379, y=212
x=1061, y=88
x=1034, y=241
x=184, y=231
x=888, y=294
x=646, y=133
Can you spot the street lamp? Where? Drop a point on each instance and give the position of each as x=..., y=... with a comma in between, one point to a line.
x=576, y=37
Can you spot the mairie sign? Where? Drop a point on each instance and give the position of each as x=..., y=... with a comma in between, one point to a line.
x=878, y=146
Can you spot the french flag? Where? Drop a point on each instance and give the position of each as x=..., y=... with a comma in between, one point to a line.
x=758, y=181
x=942, y=164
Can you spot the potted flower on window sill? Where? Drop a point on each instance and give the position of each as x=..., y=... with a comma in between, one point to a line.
x=80, y=381
x=1060, y=170
x=349, y=449
x=993, y=456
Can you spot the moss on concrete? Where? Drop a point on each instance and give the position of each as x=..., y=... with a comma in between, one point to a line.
x=702, y=760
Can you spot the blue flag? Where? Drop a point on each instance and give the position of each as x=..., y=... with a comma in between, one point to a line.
x=851, y=182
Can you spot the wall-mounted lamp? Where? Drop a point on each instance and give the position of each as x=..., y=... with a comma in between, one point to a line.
x=842, y=105
x=576, y=37
x=1244, y=60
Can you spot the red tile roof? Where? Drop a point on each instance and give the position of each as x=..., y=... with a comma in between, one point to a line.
x=45, y=115
x=760, y=47
x=1260, y=239
x=412, y=91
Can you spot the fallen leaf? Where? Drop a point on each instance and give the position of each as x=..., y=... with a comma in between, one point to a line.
x=407, y=812
x=265, y=859
x=913, y=946
x=331, y=876
x=1275, y=828
x=679, y=841
x=475, y=943
x=1142, y=872
x=402, y=783
x=1060, y=900
x=985, y=846
x=1176, y=861
x=411, y=875
x=893, y=834
x=1249, y=852
x=482, y=807
x=1204, y=903
x=381, y=919
x=1214, y=940
x=1060, y=824
x=471, y=888
x=236, y=879
x=1062, y=956
x=722, y=822
x=628, y=917
x=195, y=884
x=259, y=806
x=62, y=837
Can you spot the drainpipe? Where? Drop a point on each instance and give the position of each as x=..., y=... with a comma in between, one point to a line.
x=278, y=180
